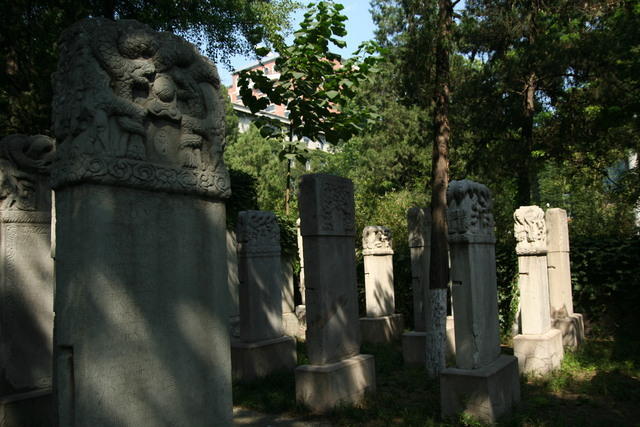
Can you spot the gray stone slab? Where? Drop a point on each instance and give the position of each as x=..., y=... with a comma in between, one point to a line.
x=473, y=274
x=419, y=231
x=142, y=301
x=328, y=229
x=378, y=271
x=26, y=266
x=486, y=393
x=572, y=329
x=323, y=387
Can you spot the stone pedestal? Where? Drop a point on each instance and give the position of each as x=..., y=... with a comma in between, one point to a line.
x=539, y=354
x=484, y=384
x=142, y=300
x=381, y=330
x=485, y=393
x=381, y=325
x=262, y=348
x=324, y=387
x=414, y=345
x=539, y=351
x=28, y=409
x=333, y=331
x=251, y=360
x=559, y=270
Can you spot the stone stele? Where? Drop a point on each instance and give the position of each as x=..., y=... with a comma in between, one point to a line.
x=414, y=342
x=262, y=348
x=559, y=267
x=337, y=372
x=538, y=347
x=382, y=324
x=141, y=303
x=484, y=384
x=26, y=266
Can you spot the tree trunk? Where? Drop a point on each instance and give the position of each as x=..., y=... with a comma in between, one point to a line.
x=525, y=171
x=439, y=269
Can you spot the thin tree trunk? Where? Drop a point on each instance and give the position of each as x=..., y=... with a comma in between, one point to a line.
x=439, y=269
x=525, y=171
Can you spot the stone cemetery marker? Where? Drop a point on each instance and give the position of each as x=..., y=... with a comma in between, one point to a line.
x=263, y=348
x=559, y=267
x=337, y=372
x=382, y=324
x=233, y=283
x=538, y=347
x=484, y=382
x=414, y=342
x=26, y=273
x=141, y=304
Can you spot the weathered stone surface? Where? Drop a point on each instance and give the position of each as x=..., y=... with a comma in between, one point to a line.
x=539, y=354
x=301, y=285
x=484, y=384
x=381, y=330
x=26, y=266
x=323, y=387
x=251, y=360
x=559, y=269
x=378, y=271
x=419, y=227
x=473, y=274
x=137, y=108
x=141, y=325
x=530, y=231
x=328, y=229
x=486, y=393
x=233, y=283
x=261, y=279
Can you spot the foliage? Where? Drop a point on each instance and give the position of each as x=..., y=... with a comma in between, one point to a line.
x=243, y=196
x=30, y=30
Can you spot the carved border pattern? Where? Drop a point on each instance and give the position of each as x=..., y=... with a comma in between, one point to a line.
x=258, y=234
x=137, y=174
x=469, y=215
x=27, y=217
x=336, y=197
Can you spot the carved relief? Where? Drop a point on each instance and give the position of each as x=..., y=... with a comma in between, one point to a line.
x=469, y=214
x=376, y=240
x=530, y=230
x=337, y=209
x=418, y=222
x=24, y=170
x=258, y=233
x=138, y=108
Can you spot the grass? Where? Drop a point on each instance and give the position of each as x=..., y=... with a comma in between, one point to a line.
x=597, y=385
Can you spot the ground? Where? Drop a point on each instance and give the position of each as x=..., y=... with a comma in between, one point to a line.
x=597, y=385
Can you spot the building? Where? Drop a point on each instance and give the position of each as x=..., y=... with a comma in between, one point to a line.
x=273, y=111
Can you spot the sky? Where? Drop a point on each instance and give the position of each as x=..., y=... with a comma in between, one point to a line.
x=359, y=28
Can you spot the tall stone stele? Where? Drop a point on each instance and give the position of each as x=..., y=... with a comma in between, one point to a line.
x=337, y=371
x=26, y=277
x=414, y=342
x=382, y=324
x=263, y=348
x=484, y=383
x=538, y=347
x=563, y=317
x=141, y=305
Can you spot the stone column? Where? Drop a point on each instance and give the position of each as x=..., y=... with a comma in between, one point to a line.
x=233, y=283
x=142, y=302
x=538, y=347
x=382, y=324
x=263, y=348
x=301, y=310
x=337, y=373
x=484, y=382
x=290, y=321
x=26, y=276
x=414, y=342
x=559, y=267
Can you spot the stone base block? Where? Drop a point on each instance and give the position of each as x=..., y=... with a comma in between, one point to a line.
x=572, y=328
x=486, y=393
x=324, y=387
x=414, y=343
x=258, y=359
x=291, y=325
x=539, y=354
x=33, y=408
x=381, y=330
